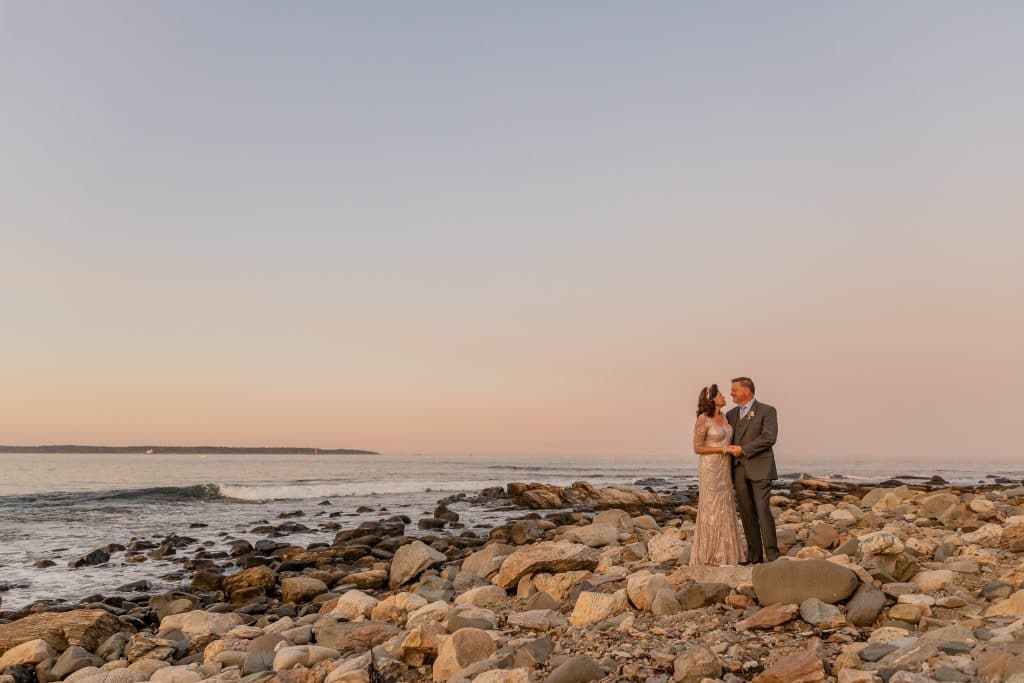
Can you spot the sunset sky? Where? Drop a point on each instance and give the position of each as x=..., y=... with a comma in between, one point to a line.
x=515, y=228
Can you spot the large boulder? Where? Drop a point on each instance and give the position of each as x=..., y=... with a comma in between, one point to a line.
x=881, y=543
x=368, y=580
x=355, y=605
x=536, y=496
x=793, y=581
x=667, y=547
x=643, y=587
x=619, y=519
x=697, y=595
x=432, y=587
x=593, y=535
x=464, y=647
x=821, y=535
x=544, y=557
x=394, y=609
x=872, y=497
x=526, y=531
x=989, y=536
x=900, y=567
x=618, y=497
x=302, y=655
x=255, y=578
x=933, y=505
x=86, y=628
x=1012, y=606
x=481, y=596
x=213, y=650
x=147, y=646
x=352, y=637
x=301, y=588
x=593, y=608
x=560, y=586
x=471, y=617
x=73, y=659
x=199, y=624
x=481, y=565
x=436, y=611
x=549, y=497
x=29, y=653
x=933, y=581
x=411, y=560
x=420, y=644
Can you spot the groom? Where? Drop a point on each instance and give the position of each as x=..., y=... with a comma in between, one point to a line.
x=755, y=428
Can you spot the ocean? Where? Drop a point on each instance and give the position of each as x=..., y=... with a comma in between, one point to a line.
x=58, y=507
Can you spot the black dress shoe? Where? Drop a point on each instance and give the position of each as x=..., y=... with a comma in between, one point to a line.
x=747, y=563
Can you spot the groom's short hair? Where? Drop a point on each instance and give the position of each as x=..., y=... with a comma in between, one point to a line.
x=747, y=382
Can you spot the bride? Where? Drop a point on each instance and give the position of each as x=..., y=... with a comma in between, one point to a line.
x=716, y=540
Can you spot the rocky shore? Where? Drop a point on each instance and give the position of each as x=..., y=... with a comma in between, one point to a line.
x=898, y=583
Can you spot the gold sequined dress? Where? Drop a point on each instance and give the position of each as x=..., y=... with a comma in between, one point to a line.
x=716, y=540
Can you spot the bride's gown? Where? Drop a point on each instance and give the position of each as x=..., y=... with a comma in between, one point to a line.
x=716, y=540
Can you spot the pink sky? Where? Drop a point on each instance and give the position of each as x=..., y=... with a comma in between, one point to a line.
x=345, y=232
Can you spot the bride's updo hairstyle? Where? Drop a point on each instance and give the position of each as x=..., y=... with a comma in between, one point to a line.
x=706, y=400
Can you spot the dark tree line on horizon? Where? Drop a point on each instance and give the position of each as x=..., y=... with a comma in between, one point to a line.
x=186, y=450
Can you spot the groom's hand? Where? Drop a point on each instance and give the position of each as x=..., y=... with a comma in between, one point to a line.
x=735, y=451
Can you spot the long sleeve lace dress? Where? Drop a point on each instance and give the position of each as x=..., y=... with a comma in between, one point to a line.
x=716, y=541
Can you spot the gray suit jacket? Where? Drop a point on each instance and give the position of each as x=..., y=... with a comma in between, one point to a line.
x=756, y=434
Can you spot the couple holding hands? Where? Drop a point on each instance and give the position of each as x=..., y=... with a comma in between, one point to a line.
x=737, y=468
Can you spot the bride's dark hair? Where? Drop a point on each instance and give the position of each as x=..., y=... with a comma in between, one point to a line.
x=706, y=401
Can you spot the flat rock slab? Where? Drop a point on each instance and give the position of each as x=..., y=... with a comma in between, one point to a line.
x=875, y=651
x=803, y=667
x=87, y=628
x=769, y=617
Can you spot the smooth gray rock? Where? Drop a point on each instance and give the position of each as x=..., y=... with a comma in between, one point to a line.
x=815, y=612
x=73, y=659
x=258, y=660
x=581, y=669
x=787, y=581
x=865, y=605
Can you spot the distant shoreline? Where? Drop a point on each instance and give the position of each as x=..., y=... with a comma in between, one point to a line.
x=185, y=450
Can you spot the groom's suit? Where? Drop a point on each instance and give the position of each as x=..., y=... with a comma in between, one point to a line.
x=752, y=475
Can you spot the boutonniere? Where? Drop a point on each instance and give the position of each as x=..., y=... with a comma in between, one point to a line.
x=751, y=414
